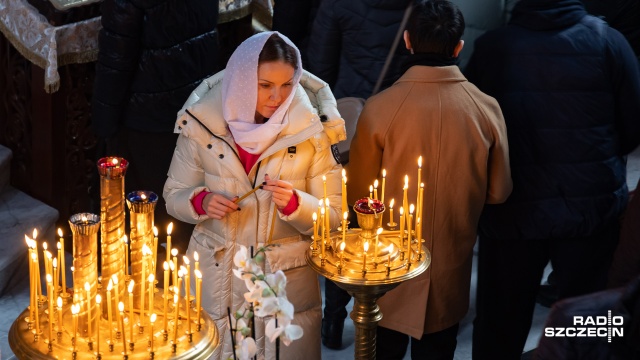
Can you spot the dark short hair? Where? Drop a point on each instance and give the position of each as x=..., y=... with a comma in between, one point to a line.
x=276, y=49
x=435, y=26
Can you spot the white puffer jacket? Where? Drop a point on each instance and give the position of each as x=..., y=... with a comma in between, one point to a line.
x=301, y=155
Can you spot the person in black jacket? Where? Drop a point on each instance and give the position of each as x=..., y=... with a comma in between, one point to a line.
x=568, y=86
x=350, y=41
x=152, y=55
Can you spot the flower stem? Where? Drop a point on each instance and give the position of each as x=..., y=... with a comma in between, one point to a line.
x=233, y=341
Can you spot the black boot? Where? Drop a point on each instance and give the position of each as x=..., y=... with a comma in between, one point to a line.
x=332, y=333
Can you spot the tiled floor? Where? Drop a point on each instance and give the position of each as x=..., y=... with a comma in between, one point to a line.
x=17, y=298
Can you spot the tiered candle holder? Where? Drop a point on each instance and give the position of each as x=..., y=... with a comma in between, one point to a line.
x=367, y=274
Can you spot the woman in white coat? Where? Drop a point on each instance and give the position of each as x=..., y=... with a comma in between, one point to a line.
x=258, y=121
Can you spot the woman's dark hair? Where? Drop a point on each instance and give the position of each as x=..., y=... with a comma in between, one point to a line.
x=276, y=49
x=435, y=26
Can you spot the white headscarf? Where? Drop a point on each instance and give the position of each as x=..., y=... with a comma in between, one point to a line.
x=240, y=94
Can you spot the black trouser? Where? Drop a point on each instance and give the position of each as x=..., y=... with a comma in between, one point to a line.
x=509, y=275
x=392, y=345
x=335, y=302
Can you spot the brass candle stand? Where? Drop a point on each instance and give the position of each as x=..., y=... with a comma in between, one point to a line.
x=368, y=275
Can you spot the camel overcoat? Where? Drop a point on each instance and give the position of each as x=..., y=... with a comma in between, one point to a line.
x=301, y=155
x=433, y=112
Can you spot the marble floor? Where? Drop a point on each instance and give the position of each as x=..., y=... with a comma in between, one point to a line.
x=16, y=299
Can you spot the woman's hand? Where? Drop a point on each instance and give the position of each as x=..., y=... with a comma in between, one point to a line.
x=281, y=191
x=217, y=206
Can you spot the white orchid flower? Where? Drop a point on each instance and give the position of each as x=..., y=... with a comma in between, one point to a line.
x=278, y=281
x=286, y=331
x=245, y=348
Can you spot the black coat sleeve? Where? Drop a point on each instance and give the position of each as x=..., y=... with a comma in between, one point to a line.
x=119, y=51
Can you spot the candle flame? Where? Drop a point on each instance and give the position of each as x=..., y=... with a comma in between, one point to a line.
x=321, y=211
x=344, y=172
x=28, y=241
x=45, y=245
x=49, y=256
x=98, y=299
x=55, y=263
x=345, y=215
x=185, y=260
x=84, y=218
x=401, y=210
x=174, y=252
x=155, y=231
x=49, y=278
x=324, y=178
x=196, y=257
x=87, y=287
x=171, y=266
x=165, y=265
x=326, y=201
x=406, y=181
x=130, y=286
x=422, y=185
x=181, y=271
x=370, y=188
x=342, y=245
x=344, y=179
x=391, y=203
x=114, y=161
x=379, y=231
x=143, y=196
x=59, y=301
x=146, y=250
x=384, y=173
x=314, y=216
x=198, y=274
x=73, y=268
x=420, y=162
x=152, y=318
x=59, y=232
x=59, y=246
x=366, y=246
x=35, y=234
x=175, y=299
x=121, y=306
x=151, y=278
x=114, y=277
x=170, y=228
x=411, y=208
x=125, y=239
x=75, y=309
x=110, y=286
x=320, y=203
x=375, y=184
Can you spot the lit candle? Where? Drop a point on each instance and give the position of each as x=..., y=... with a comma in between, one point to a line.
x=75, y=309
x=45, y=246
x=405, y=200
x=418, y=187
x=98, y=301
x=344, y=191
x=125, y=240
x=375, y=251
x=370, y=191
x=153, y=320
x=55, y=276
x=198, y=275
x=401, y=226
x=175, y=317
x=409, y=223
x=168, y=249
x=324, y=187
x=314, y=216
x=151, y=291
x=59, y=303
x=187, y=292
x=421, y=197
x=58, y=268
x=175, y=269
x=345, y=215
x=131, y=284
x=196, y=258
x=342, y=245
x=37, y=277
x=121, y=327
x=143, y=281
x=391, y=223
x=62, y=264
x=114, y=277
x=165, y=265
x=87, y=288
x=31, y=282
x=364, y=260
x=48, y=266
x=50, y=301
x=154, y=249
x=34, y=256
x=384, y=180
x=180, y=275
x=322, y=216
x=327, y=217
x=109, y=287
x=375, y=189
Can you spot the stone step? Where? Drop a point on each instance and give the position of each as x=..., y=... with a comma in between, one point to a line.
x=19, y=215
x=5, y=167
